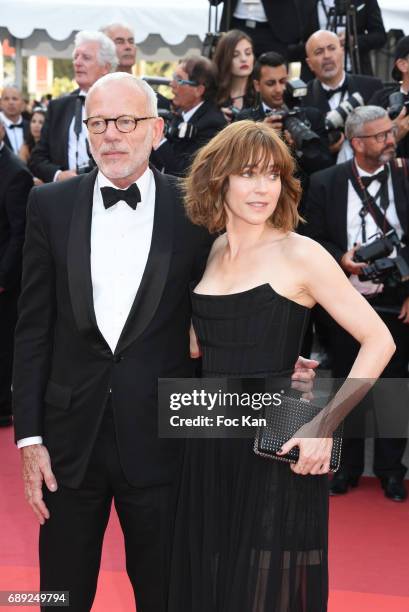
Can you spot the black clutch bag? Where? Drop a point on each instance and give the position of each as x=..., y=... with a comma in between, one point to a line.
x=282, y=422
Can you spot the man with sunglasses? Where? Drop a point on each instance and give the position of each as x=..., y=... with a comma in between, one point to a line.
x=347, y=205
x=197, y=118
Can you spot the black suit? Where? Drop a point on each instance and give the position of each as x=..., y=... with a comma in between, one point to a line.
x=326, y=216
x=15, y=185
x=64, y=370
x=288, y=26
x=365, y=85
x=26, y=132
x=51, y=152
x=175, y=155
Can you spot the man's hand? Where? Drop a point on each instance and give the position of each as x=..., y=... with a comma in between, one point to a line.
x=402, y=123
x=36, y=467
x=65, y=174
x=303, y=376
x=348, y=264
x=404, y=312
x=274, y=121
x=289, y=139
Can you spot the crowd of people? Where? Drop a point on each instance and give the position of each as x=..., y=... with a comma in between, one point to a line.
x=88, y=340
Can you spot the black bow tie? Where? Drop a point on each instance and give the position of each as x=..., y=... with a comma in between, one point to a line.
x=15, y=125
x=331, y=92
x=381, y=177
x=111, y=196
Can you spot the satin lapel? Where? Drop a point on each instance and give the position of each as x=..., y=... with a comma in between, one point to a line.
x=79, y=265
x=340, y=203
x=401, y=192
x=156, y=271
x=65, y=121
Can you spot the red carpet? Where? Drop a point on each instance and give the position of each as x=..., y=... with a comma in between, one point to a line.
x=369, y=548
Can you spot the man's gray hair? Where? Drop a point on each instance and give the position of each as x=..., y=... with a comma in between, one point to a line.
x=111, y=26
x=106, y=49
x=361, y=115
x=139, y=84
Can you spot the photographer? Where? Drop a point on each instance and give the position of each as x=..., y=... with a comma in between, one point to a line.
x=333, y=89
x=347, y=205
x=303, y=128
x=396, y=97
x=197, y=118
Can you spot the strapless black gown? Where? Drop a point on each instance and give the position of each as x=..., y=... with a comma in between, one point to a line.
x=250, y=535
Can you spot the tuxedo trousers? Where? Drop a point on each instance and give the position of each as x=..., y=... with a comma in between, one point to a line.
x=71, y=540
x=388, y=452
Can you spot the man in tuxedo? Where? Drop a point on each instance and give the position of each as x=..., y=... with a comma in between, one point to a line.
x=197, y=120
x=104, y=313
x=123, y=38
x=15, y=185
x=63, y=150
x=331, y=85
x=16, y=128
x=400, y=74
x=273, y=25
x=347, y=204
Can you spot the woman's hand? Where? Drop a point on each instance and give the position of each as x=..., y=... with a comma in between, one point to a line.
x=315, y=453
x=228, y=113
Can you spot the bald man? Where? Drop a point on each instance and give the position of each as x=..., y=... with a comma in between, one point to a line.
x=17, y=128
x=331, y=85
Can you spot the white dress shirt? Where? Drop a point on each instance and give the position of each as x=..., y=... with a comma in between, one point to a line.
x=81, y=145
x=250, y=9
x=120, y=243
x=15, y=135
x=345, y=151
x=354, y=224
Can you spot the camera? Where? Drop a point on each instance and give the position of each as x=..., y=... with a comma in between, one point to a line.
x=301, y=133
x=389, y=271
x=85, y=168
x=397, y=101
x=175, y=128
x=336, y=118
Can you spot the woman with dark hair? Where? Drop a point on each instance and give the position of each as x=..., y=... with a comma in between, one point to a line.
x=251, y=533
x=36, y=124
x=234, y=58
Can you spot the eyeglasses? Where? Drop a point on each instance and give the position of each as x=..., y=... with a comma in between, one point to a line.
x=124, y=123
x=381, y=136
x=180, y=81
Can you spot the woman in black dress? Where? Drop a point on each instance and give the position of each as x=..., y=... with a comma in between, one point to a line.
x=234, y=58
x=251, y=533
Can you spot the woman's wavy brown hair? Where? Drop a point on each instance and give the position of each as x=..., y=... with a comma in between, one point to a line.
x=241, y=145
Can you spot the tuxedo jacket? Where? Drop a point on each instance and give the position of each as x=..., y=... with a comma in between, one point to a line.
x=291, y=23
x=327, y=205
x=174, y=156
x=63, y=367
x=15, y=184
x=26, y=132
x=51, y=152
x=365, y=85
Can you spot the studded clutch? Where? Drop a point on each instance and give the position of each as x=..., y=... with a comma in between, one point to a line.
x=282, y=422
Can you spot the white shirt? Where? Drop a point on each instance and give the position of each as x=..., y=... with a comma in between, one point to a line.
x=250, y=9
x=83, y=157
x=345, y=151
x=15, y=135
x=354, y=224
x=120, y=243
x=189, y=114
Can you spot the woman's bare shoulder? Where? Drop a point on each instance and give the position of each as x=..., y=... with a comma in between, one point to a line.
x=299, y=248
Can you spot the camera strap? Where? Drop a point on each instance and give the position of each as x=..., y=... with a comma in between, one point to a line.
x=369, y=204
